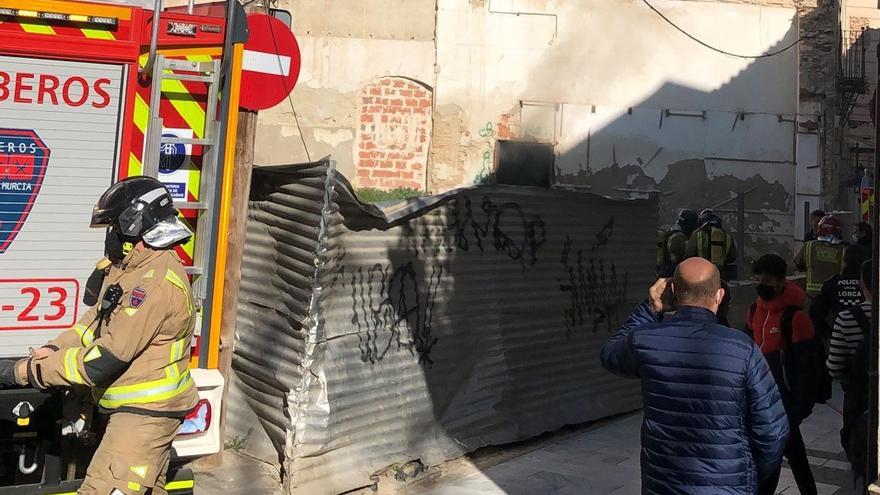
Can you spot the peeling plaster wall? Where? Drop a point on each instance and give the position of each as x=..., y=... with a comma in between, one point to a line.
x=346, y=45
x=595, y=78
x=616, y=89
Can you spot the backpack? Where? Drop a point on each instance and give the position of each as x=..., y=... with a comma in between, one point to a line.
x=811, y=357
x=808, y=365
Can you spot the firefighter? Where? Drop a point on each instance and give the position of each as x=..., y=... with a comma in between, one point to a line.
x=713, y=243
x=132, y=347
x=821, y=258
x=671, y=244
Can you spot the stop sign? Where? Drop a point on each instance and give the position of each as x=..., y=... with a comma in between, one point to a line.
x=271, y=63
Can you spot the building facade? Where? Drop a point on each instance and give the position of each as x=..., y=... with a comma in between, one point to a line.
x=437, y=94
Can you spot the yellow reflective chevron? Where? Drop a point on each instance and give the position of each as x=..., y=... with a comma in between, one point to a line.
x=35, y=26
x=93, y=354
x=134, y=486
x=97, y=34
x=187, y=106
x=179, y=485
x=71, y=370
x=149, y=274
x=180, y=284
x=141, y=113
x=172, y=371
x=86, y=334
x=131, y=311
x=139, y=470
x=146, y=392
x=135, y=167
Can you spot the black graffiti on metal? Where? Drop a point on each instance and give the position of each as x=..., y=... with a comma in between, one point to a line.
x=498, y=221
x=393, y=308
x=594, y=287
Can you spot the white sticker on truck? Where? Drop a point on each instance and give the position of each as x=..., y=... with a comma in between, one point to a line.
x=59, y=145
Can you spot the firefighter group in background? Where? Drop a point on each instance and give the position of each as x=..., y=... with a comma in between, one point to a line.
x=700, y=236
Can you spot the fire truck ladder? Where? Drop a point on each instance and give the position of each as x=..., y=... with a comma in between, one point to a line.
x=209, y=73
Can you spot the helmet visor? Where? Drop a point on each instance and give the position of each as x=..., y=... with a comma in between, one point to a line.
x=109, y=206
x=167, y=233
x=101, y=217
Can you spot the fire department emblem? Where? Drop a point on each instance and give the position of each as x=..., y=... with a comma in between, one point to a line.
x=23, y=162
x=138, y=296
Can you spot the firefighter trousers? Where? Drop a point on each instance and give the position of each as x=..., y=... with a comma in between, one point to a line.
x=133, y=456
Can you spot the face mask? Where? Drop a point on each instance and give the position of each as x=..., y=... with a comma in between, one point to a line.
x=115, y=247
x=766, y=292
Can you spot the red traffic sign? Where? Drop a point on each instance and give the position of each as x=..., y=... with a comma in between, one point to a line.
x=271, y=63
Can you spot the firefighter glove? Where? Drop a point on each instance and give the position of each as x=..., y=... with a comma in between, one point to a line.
x=7, y=373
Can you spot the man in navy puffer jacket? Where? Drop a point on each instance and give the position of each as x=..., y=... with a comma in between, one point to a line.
x=714, y=421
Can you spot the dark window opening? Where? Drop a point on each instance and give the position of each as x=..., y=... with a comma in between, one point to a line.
x=523, y=163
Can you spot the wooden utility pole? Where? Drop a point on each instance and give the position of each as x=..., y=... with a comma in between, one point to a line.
x=230, y=241
x=234, y=240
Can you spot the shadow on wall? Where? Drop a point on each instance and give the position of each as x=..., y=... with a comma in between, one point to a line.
x=694, y=158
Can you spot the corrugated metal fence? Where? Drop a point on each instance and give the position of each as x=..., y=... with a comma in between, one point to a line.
x=454, y=322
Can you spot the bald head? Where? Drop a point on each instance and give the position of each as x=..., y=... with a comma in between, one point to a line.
x=697, y=283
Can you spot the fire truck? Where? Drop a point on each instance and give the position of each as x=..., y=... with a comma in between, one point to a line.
x=92, y=92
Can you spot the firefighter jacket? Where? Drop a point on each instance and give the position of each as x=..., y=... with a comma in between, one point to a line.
x=135, y=356
x=717, y=246
x=671, y=246
x=821, y=260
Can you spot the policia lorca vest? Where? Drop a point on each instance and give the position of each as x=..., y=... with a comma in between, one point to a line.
x=136, y=358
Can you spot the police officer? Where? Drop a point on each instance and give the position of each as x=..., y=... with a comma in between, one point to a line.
x=132, y=347
x=713, y=243
x=821, y=258
x=672, y=244
x=839, y=292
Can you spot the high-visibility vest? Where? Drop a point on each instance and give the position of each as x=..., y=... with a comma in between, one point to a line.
x=667, y=260
x=823, y=260
x=714, y=245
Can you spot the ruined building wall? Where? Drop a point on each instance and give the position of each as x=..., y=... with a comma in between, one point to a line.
x=417, y=93
x=638, y=108
x=364, y=94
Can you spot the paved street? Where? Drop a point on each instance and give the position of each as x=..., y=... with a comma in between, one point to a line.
x=605, y=460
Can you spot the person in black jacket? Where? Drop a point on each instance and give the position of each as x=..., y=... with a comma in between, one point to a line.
x=864, y=237
x=838, y=292
x=714, y=421
x=794, y=359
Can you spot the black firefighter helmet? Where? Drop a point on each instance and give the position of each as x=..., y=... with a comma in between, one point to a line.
x=140, y=208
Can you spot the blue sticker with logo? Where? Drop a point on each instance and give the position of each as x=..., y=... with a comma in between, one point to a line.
x=172, y=156
x=24, y=158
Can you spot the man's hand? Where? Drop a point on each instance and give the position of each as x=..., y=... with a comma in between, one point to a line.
x=21, y=369
x=40, y=352
x=655, y=295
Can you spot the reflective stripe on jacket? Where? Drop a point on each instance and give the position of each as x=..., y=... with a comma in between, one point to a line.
x=823, y=260
x=137, y=357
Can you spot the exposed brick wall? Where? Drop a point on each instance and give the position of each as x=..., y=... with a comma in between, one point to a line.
x=391, y=149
